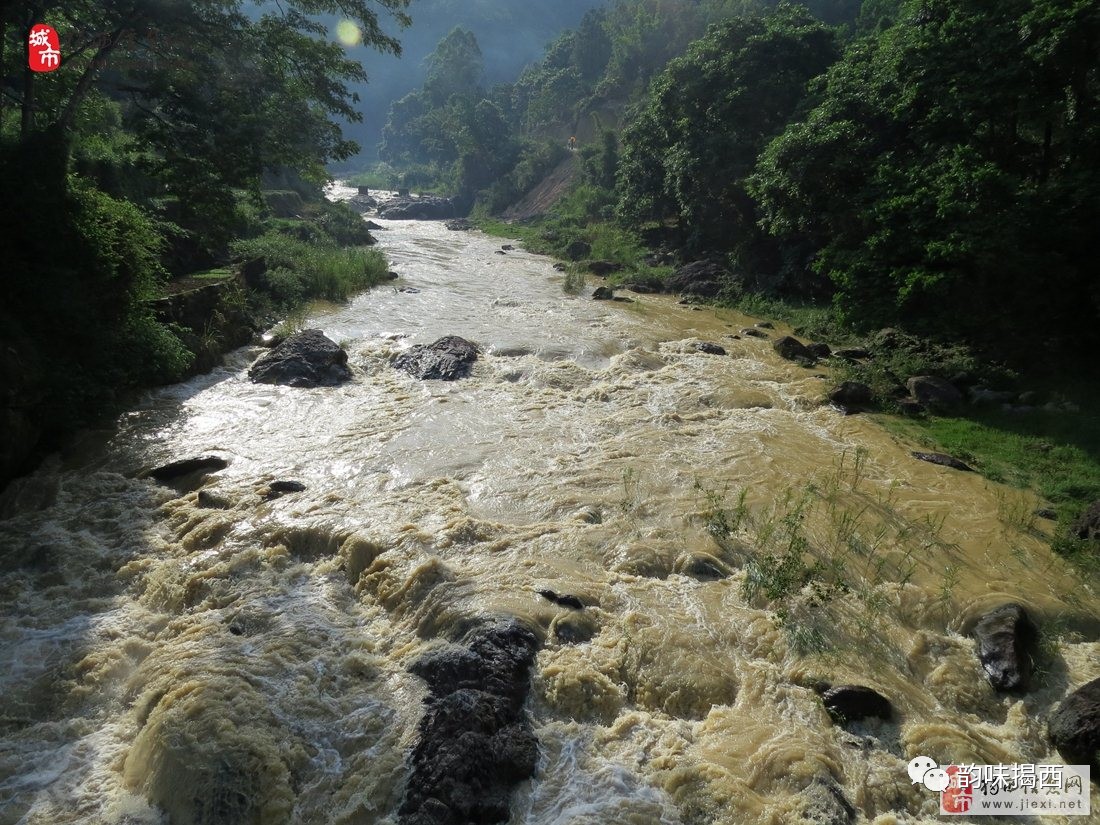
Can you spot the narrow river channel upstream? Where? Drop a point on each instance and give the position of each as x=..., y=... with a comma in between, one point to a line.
x=720, y=544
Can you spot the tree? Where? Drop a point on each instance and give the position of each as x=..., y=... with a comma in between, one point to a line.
x=688, y=152
x=945, y=177
x=456, y=67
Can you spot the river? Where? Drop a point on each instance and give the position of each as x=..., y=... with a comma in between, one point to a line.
x=209, y=656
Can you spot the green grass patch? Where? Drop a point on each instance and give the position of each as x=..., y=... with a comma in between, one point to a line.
x=220, y=274
x=1056, y=454
x=299, y=270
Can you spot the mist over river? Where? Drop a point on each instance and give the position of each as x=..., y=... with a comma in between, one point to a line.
x=196, y=655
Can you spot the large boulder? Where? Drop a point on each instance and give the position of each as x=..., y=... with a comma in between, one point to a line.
x=792, y=349
x=1087, y=525
x=1074, y=727
x=308, y=359
x=362, y=203
x=476, y=743
x=447, y=359
x=851, y=396
x=1007, y=645
x=934, y=392
x=702, y=278
x=424, y=208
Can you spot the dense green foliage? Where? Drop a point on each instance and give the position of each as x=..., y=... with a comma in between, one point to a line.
x=960, y=197
x=143, y=157
x=690, y=149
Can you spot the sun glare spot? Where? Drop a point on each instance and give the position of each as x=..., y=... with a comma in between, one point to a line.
x=348, y=33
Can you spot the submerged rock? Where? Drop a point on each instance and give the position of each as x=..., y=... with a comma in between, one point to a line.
x=1074, y=727
x=447, y=359
x=476, y=743
x=1007, y=645
x=851, y=703
x=710, y=348
x=752, y=332
x=564, y=600
x=826, y=804
x=460, y=225
x=277, y=489
x=943, y=460
x=308, y=359
x=187, y=466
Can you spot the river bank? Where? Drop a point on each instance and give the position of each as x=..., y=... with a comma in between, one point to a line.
x=1017, y=422
x=717, y=543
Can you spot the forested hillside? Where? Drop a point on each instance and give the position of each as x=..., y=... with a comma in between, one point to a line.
x=511, y=35
x=174, y=139
x=930, y=163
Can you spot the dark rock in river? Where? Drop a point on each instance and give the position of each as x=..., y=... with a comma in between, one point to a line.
x=564, y=600
x=476, y=743
x=943, y=460
x=641, y=289
x=851, y=396
x=424, y=208
x=508, y=247
x=578, y=250
x=460, y=225
x=308, y=359
x=560, y=267
x=375, y=227
x=791, y=348
x=851, y=703
x=933, y=392
x=187, y=466
x=362, y=203
x=1087, y=525
x=447, y=359
x=603, y=293
x=853, y=354
x=819, y=350
x=702, y=278
x=1007, y=646
x=1074, y=728
x=751, y=332
x=826, y=804
x=709, y=348
x=277, y=489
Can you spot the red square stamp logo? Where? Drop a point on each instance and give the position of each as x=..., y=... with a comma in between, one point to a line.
x=43, y=49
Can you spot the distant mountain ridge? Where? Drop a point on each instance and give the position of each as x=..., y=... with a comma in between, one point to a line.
x=511, y=33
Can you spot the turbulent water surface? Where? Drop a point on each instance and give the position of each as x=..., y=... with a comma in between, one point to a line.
x=208, y=656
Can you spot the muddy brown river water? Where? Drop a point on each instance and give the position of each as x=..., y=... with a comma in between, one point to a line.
x=207, y=656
